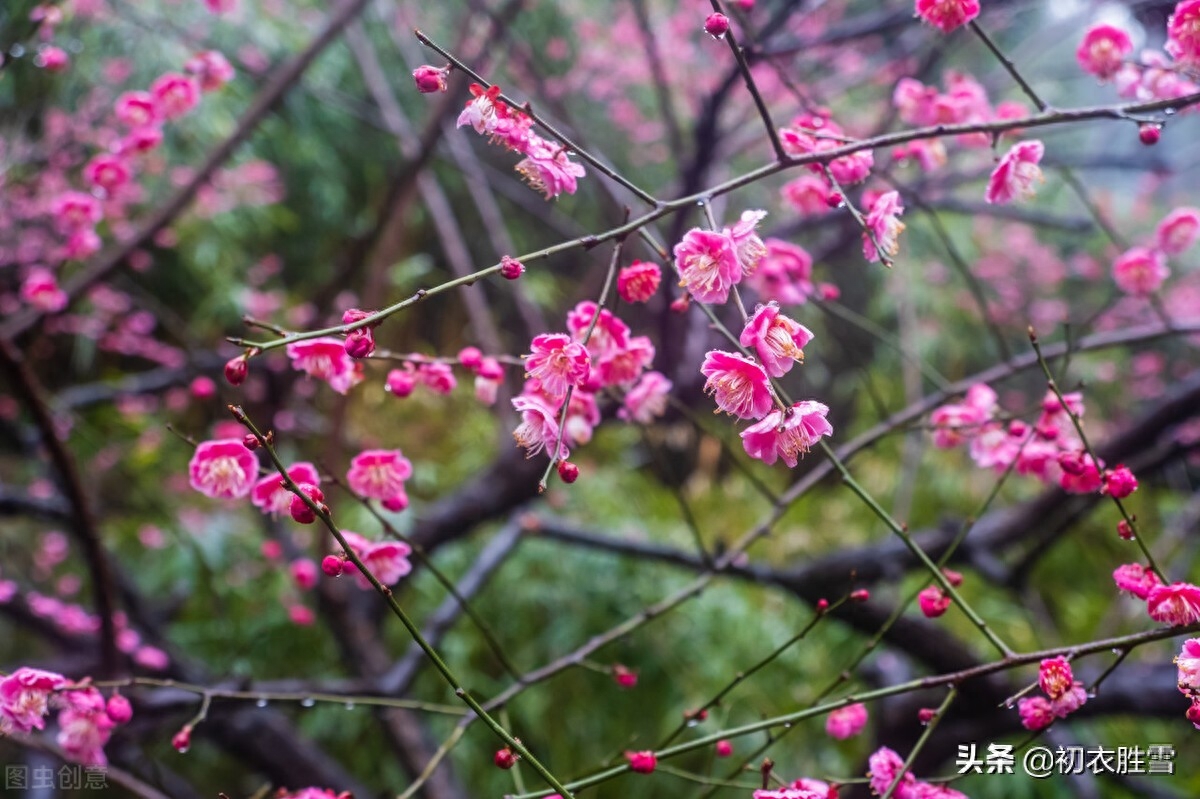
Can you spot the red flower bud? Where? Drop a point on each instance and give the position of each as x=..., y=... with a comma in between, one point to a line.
x=505, y=758
x=717, y=25
x=235, y=371
x=511, y=268
x=183, y=739
x=861, y=595
x=300, y=510
x=724, y=748
x=568, y=471
x=429, y=79
x=642, y=762
x=250, y=441
x=332, y=565
x=1149, y=134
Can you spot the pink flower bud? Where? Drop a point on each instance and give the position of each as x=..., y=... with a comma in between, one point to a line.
x=300, y=510
x=1149, y=134
x=119, y=709
x=360, y=343
x=1119, y=482
x=624, y=677
x=954, y=578
x=511, y=268
x=642, y=762
x=926, y=715
x=1193, y=713
x=471, y=358
x=505, y=758
x=250, y=441
x=332, y=565
x=1125, y=530
x=235, y=371
x=933, y=602
x=822, y=605
x=52, y=59
x=304, y=573
x=861, y=595
x=717, y=25
x=401, y=382
x=834, y=199
x=271, y=550
x=203, y=388
x=680, y=304
x=429, y=79
x=724, y=748
x=183, y=739
x=568, y=471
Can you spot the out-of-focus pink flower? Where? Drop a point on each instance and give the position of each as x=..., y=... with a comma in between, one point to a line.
x=84, y=726
x=638, y=281
x=784, y=274
x=1176, y=604
x=1017, y=175
x=387, y=560
x=326, y=359
x=52, y=59
x=776, y=339
x=642, y=762
x=883, y=220
x=223, y=469
x=1188, y=662
x=40, y=289
x=1103, y=50
x=304, y=573
x=557, y=362
x=380, y=474
x=109, y=172
x=739, y=385
x=1119, y=482
x=885, y=765
x=1080, y=474
x=74, y=210
x=846, y=722
x=438, y=377
x=647, y=400
x=807, y=194
x=707, y=264
x=221, y=6
x=1183, y=32
x=946, y=15
x=1140, y=271
x=624, y=676
x=1135, y=579
x=1178, y=231
x=175, y=94
x=211, y=68
x=136, y=109
x=787, y=436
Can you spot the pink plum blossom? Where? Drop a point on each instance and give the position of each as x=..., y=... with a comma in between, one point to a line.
x=40, y=289
x=1103, y=50
x=777, y=340
x=387, y=560
x=24, y=699
x=647, y=400
x=739, y=385
x=1135, y=579
x=946, y=15
x=1140, y=271
x=380, y=474
x=1017, y=174
x=846, y=722
x=784, y=274
x=883, y=220
x=223, y=469
x=1176, y=604
x=557, y=363
x=326, y=359
x=269, y=494
x=1178, y=231
x=1183, y=32
x=638, y=281
x=708, y=265
x=787, y=436
x=547, y=168
x=175, y=94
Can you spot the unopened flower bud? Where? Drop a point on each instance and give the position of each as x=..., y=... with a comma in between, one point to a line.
x=511, y=268
x=717, y=25
x=332, y=565
x=861, y=595
x=1149, y=133
x=505, y=758
x=119, y=709
x=429, y=79
x=183, y=739
x=568, y=471
x=250, y=441
x=724, y=748
x=1125, y=530
x=235, y=371
x=300, y=510
x=360, y=343
x=926, y=715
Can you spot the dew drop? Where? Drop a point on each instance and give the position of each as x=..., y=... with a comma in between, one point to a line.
x=262, y=702
x=1169, y=112
x=349, y=706
x=692, y=722
x=1116, y=650
x=17, y=50
x=1091, y=694
x=1008, y=703
x=307, y=701
x=182, y=749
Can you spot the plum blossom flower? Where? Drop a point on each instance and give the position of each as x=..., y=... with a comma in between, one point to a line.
x=74, y=211
x=24, y=699
x=1188, y=662
x=387, y=560
x=557, y=362
x=1036, y=713
x=1103, y=50
x=1119, y=482
x=784, y=274
x=175, y=94
x=1017, y=174
x=548, y=169
x=1139, y=271
x=480, y=111
x=955, y=423
x=647, y=400
x=884, y=767
x=109, y=172
x=269, y=494
x=136, y=109
x=326, y=359
x=40, y=289
x=933, y=602
x=846, y=722
x=211, y=69
x=437, y=377
x=747, y=246
x=642, y=762
x=946, y=15
x=429, y=79
x=1178, y=231
x=223, y=469
x=380, y=474
x=807, y=194
x=708, y=265
x=1183, y=32
x=739, y=385
x=883, y=220
x=787, y=436
x=84, y=726
x=638, y=281
x=1135, y=579
x=1055, y=677
x=777, y=340
x=1176, y=604
x=538, y=428
x=1080, y=474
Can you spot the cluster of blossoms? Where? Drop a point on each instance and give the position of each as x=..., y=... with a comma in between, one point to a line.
x=1177, y=604
x=1050, y=449
x=546, y=165
x=846, y=722
x=85, y=719
x=710, y=264
x=1141, y=270
x=1063, y=695
x=228, y=469
x=1188, y=663
x=109, y=177
x=1105, y=52
x=597, y=353
x=885, y=766
x=946, y=15
x=814, y=133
